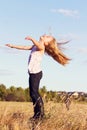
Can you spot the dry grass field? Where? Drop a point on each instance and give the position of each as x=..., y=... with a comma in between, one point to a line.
x=15, y=116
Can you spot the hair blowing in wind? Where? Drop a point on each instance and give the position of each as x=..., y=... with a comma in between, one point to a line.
x=54, y=50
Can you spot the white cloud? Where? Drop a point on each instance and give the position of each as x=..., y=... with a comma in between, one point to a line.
x=66, y=12
x=82, y=50
x=69, y=36
x=4, y=72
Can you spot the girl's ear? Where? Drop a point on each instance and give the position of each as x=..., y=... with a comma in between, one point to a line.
x=46, y=43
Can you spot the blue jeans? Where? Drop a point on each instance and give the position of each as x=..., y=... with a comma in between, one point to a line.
x=34, y=81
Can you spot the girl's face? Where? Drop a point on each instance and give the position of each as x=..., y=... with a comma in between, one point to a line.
x=46, y=39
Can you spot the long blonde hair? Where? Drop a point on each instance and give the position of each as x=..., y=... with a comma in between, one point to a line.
x=53, y=49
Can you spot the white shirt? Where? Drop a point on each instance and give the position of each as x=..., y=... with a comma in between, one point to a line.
x=34, y=62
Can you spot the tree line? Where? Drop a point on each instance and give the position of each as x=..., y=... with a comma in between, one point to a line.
x=20, y=94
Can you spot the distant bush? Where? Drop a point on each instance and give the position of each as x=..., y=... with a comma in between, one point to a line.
x=20, y=94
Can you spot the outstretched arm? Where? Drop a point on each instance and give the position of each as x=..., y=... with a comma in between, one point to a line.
x=19, y=47
x=39, y=45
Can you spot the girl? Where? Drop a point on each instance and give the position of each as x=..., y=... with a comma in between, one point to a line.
x=46, y=44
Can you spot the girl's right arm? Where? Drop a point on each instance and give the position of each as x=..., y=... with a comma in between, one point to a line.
x=19, y=47
x=39, y=45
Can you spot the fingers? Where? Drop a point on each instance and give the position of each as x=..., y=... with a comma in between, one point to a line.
x=6, y=44
x=28, y=38
x=9, y=45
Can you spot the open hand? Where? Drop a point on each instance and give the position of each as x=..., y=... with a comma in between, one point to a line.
x=9, y=45
x=28, y=38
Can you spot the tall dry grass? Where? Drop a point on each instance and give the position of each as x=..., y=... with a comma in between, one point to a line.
x=15, y=116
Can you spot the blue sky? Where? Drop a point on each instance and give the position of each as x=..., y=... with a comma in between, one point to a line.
x=64, y=19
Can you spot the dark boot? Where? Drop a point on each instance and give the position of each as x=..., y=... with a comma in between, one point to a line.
x=39, y=109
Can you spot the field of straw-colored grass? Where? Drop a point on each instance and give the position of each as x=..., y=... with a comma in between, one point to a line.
x=15, y=116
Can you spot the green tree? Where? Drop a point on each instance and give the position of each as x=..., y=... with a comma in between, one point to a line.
x=12, y=89
x=27, y=95
x=2, y=92
x=43, y=91
x=20, y=94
